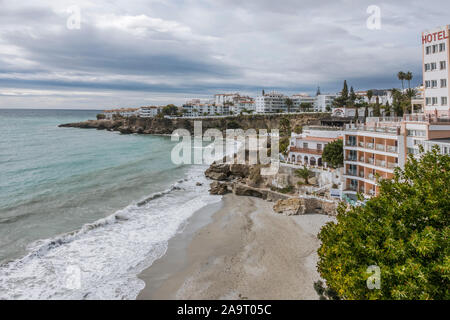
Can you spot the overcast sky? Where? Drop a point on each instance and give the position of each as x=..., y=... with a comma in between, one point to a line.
x=142, y=52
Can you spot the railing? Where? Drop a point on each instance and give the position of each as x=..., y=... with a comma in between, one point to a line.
x=392, y=149
x=306, y=150
x=369, y=145
x=351, y=173
x=371, y=176
x=350, y=143
x=380, y=147
x=369, y=160
x=380, y=163
x=352, y=159
x=361, y=144
x=361, y=174
x=391, y=165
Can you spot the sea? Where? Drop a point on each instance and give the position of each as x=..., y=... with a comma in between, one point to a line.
x=83, y=212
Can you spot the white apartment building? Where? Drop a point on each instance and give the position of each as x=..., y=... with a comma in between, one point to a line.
x=273, y=102
x=299, y=99
x=324, y=102
x=436, y=56
x=123, y=112
x=199, y=109
x=149, y=111
x=245, y=103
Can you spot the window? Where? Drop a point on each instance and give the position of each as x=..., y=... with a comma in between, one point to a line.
x=434, y=83
x=443, y=83
x=416, y=133
x=434, y=67
x=428, y=50
x=305, y=145
x=428, y=101
x=434, y=101
x=443, y=101
x=435, y=48
x=443, y=65
x=319, y=146
x=427, y=67
x=442, y=47
x=428, y=84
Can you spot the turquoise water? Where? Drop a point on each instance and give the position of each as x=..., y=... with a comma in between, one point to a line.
x=55, y=181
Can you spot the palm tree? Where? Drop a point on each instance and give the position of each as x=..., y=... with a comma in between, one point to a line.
x=401, y=76
x=409, y=77
x=289, y=103
x=303, y=173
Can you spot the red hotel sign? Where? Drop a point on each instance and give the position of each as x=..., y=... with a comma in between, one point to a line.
x=441, y=35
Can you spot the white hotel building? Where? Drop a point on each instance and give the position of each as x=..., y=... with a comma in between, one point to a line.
x=382, y=144
x=436, y=57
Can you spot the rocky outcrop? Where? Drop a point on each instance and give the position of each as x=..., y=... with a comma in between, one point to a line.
x=167, y=126
x=290, y=207
x=218, y=172
x=218, y=188
x=269, y=195
x=300, y=206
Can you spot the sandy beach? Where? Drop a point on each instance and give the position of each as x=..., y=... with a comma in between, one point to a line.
x=239, y=249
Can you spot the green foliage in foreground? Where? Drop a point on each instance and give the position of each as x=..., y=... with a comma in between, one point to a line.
x=333, y=154
x=404, y=231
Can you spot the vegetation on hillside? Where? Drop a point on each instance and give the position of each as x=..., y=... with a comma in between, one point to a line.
x=404, y=232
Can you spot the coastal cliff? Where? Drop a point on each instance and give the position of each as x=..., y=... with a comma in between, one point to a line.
x=167, y=126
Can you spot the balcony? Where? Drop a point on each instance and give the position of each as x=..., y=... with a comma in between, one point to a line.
x=351, y=158
x=351, y=188
x=349, y=143
x=392, y=149
x=391, y=165
x=361, y=174
x=380, y=163
x=370, y=160
x=380, y=147
x=352, y=173
x=371, y=177
x=306, y=150
x=369, y=145
x=361, y=144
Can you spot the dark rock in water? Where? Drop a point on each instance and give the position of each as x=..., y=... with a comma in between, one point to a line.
x=218, y=188
x=199, y=184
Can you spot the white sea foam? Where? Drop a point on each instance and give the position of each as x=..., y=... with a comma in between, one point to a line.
x=102, y=259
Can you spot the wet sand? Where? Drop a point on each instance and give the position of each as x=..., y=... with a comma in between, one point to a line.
x=239, y=249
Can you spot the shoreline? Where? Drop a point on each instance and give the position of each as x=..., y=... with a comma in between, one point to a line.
x=238, y=249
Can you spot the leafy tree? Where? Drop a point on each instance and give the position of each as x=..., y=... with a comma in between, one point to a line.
x=303, y=173
x=333, y=154
x=404, y=231
x=284, y=145
x=170, y=110
x=369, y=95
x=305, y=106
x=101, y=116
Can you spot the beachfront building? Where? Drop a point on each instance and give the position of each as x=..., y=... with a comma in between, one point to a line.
x=307, y=148
x=436, y=55
x=382, y=144
x=149, y=111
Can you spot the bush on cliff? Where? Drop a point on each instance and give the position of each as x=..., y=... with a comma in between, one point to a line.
x=404, y=232
x=101, y=116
